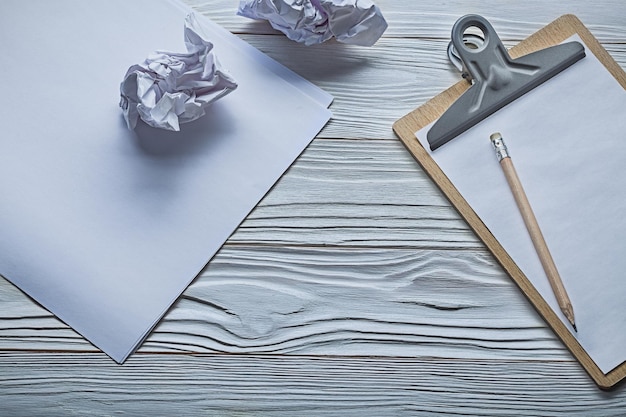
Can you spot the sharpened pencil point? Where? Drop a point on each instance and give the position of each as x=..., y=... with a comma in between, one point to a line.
x=574, y=326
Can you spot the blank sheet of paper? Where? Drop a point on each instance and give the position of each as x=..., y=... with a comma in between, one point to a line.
x=104, y=226
x=568, y=143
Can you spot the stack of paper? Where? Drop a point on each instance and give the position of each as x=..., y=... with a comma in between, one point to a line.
x=105, y=226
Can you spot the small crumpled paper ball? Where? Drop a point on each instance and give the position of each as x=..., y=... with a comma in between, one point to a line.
x=357, y=22
x=172, y=88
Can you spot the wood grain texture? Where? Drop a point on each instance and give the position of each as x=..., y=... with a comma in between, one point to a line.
x=209, y=385
x=354, y=288
x=365, y=301
x=513, y=20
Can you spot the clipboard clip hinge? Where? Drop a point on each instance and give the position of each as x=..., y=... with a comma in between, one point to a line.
x=471, y=40
x=496, y=79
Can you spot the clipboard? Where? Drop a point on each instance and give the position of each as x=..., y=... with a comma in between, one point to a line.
x=553, y=34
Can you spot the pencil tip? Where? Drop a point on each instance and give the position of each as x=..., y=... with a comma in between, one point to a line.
x=574, y=326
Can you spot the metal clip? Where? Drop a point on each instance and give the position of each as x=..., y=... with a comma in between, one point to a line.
x=497, y=79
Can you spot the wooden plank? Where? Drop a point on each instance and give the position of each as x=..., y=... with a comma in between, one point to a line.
x=356, y=193
x=325, y=301
x=267, y=385
x=513, y=20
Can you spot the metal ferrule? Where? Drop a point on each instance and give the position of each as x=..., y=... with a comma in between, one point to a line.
x=498, y=144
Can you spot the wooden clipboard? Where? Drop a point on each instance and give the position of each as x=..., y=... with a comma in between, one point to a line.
x=553, y=34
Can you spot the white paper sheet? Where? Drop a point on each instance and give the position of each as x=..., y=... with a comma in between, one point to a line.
x=567, y=141
x=104, y=226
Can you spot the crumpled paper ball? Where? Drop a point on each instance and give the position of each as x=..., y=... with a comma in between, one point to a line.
x=172, y=88
x=357, y=22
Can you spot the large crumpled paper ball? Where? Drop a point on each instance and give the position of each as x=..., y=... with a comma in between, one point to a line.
x=168, y=89
x=357, y=22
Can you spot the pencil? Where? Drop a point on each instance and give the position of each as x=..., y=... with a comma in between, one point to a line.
x=533, y=227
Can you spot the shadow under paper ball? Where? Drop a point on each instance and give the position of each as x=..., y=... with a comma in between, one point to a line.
x=193, y=138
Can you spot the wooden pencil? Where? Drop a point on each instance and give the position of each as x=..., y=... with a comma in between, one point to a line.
x=533, y=228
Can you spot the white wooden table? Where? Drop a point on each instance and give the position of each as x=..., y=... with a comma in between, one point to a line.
x=354, y=288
